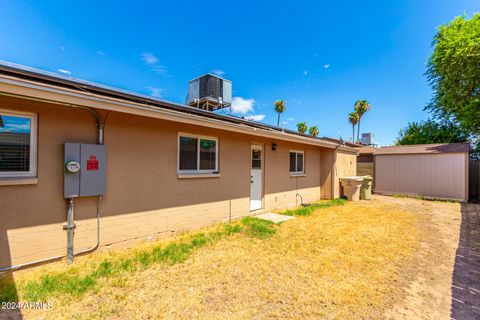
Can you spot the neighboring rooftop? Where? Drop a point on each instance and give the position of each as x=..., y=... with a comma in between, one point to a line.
x=425, y=148
x=366, y=149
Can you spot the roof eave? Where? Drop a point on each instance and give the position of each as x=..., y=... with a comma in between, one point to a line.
x=32, y=89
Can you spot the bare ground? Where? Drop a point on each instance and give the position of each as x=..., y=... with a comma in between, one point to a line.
x=427, y=278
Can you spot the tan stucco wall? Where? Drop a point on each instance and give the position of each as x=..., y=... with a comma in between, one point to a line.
x=144, y=197
x=345, y=165
x=327, y=158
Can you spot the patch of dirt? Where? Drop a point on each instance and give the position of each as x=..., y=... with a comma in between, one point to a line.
x=427, y=279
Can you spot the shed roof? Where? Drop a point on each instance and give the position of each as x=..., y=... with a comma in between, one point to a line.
x=425, y=149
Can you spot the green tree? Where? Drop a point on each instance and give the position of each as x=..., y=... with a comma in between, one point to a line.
x=279, y=109
x=353, y=119
x=313, y=131
x=432, y=131
x=453, y=71
x=361, y=106
x=302, y=127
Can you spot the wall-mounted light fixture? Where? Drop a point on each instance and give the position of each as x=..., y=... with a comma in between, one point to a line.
x=274, y=147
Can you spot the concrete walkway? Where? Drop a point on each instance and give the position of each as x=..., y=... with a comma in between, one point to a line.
x=274, y=217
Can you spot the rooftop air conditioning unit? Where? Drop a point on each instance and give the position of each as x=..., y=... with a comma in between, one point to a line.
x=209, y=92
x=367, y=138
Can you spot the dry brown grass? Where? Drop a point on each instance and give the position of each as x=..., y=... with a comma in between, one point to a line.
x=340, y=262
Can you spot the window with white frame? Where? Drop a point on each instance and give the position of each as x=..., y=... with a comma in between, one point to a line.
x=197, y=154
x=18, y=144
x=297, y=161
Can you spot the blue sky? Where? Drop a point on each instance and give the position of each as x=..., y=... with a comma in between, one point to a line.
x=320, y=56
x=15, y=124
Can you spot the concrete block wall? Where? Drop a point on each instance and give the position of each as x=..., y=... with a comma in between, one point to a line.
x=144, y=198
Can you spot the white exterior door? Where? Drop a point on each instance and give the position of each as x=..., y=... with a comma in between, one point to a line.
x=256, y=166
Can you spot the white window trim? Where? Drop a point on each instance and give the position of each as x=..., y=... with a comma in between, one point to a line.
x=296, y=158
x=198, y=171
x=33, y=146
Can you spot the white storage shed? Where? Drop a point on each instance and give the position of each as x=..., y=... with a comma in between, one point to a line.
x=428, y=170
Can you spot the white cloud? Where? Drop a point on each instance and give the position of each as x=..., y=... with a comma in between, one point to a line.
x=305, y=72
x=241, y=105
x=326, y=66
x=159, y=69
x=290, y=119
x=256, y=117
x=15, y=127
x=155, y=92
x=149, y=58
x=245, y=107
x=101, y=53
x=64, y=71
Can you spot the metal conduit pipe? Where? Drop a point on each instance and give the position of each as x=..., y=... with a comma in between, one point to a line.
x=70, y=205
x=70, y=227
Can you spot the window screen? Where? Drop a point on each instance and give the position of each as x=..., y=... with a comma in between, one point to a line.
x=208, y=149
x=15, y=148
x=299, y=162
x=296, y=162
x=293, y=161
x=188, y=153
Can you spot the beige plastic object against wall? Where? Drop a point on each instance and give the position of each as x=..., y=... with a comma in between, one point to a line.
x=351, y=187
x=366, y=188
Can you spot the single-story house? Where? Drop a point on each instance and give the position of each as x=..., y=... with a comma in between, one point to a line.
x=168, y=167
x=427, y=170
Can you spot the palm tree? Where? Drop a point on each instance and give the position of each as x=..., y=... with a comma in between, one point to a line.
x=353, y=119
x=302, y=127
x=361, y=106
x=279, y=108
x=313, y=131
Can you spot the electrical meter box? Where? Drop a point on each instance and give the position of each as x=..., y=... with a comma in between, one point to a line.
x=84, y=170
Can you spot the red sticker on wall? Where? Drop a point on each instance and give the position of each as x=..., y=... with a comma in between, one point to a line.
x=92, y=163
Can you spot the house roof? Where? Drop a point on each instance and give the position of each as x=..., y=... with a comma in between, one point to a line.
x=345, y=143
x=424, y=149
x=10, y=71
x=361, y=149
